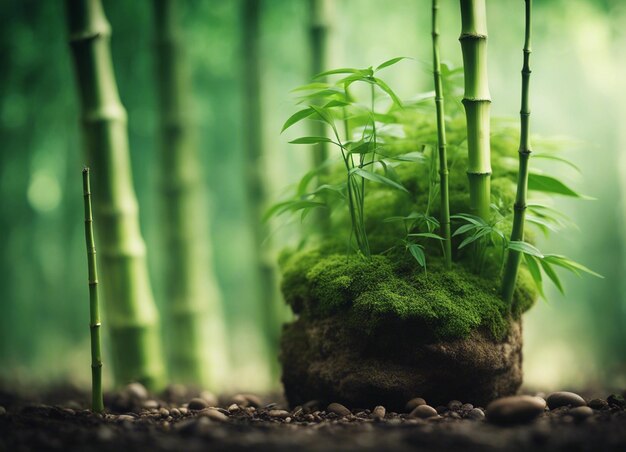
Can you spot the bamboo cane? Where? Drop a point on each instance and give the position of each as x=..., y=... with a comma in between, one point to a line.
x=444, y=208
x=477, y=103
x=524, y=151
x=132, y=318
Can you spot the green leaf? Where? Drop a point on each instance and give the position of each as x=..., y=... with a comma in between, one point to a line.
x=311, y=140
x=548, y=184
x=414, y=156
x=463, y=229
x=377, y=178
x=478, y=221
x=324, y=116
x=548, y=270
x=363, y=148
x=311, y=87
x=428, y=235
x=343, y=70
x=481, y=233
x=557, y=159
x=417, y=252
x=570, y=265
x=388, y=63
x=388, y=90
x=297, y=117
x=524, y=247
x=535, y=272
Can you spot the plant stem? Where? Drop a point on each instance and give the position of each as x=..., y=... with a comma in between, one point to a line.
x=444, y=207
x=477, y=103
x=196, y=336
x=131, y=314
x=519, y=211
x=256, y=185
x=97, y=403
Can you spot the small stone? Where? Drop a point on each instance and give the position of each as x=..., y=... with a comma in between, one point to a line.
x=598, y=404
x=280, y=414
x=150, y=404
x=563, y=398
x=338, y=409
x=423, y=412
x=164, y=412
x=467, y=407
x=136, y=391
x=453, y=415
x=581, y=412
x=214, y=415
x=454, y=405
x=183, y=410
x=379, y=412
x=240, y=400
x=475, y=414
x=125, y=417
x=175, y=412
x=233, y=408
x=69, y=411
x=209, y=398
x=3, y=411
x=414, y=403
x=515, y=409
x=253, y=400
x=197, y=404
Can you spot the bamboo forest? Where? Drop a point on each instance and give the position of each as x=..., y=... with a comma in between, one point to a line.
x=313, y=225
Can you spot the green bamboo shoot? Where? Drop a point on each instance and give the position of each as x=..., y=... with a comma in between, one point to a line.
x=131, y=314
x=477, y=103
x=444, y=208
x=524, y=151
x=196, y=348
x=97, y=403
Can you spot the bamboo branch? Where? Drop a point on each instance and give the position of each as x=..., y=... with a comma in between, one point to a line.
x=444, y=208
x=477, y=103
x=97, y=403
x=524, y=151
x=132, y=317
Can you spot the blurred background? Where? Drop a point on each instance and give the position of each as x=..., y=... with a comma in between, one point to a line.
x=578, y=92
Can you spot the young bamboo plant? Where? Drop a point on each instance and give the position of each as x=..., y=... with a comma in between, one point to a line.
x=444, y=208
x=97, y=403
x=477, y=102
x=196, y=340
x=132, y=317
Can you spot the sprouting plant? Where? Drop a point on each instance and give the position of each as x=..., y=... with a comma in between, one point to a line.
x=481, y=235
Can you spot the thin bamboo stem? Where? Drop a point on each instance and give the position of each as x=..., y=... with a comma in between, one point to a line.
x=477, y=103
x=97, y=403
x=196, y=336
x=524, y=151
x=132, y=318
x=444, y=208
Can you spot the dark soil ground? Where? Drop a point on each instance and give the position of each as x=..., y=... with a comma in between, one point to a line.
x=177, y=421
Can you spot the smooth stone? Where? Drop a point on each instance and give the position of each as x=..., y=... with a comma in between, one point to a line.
x=467, y=407
x=164, y=412
x=475, y=414
x=379, y=412
x=175, y=412
x=125, y=417
x=197, y=404
x=213, y=415
x=581, y=412
x=281, y=414
x=209, y=398
x=136, y=391
x=454, y=405
x=240, y=400
x=414, y=403
x=515, y=409
x=338, y=409
x=253, y=400
x=150, y=404
x=233, y=408
x=423, y=412
x=563, y=398
x=598, y=404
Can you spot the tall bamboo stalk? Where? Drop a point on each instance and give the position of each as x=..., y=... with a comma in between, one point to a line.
x=319, y=28
x=477, y=103
x=524, y=151
x=196, y=348
x=444, y=208
x=97, y=403
x=132, y=318
x=255, y=182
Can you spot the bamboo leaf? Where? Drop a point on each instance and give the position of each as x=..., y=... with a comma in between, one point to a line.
x=548, y=184
x=388, y=90
x=548, y=270
x=556, y=159
x=471, y=239
x=343, y=70
x=311, y=140
x=388, y=63
x=463, y=229
x=524, y=247
x=428, y=235
x=377, y=178
x=570, y=265
x=417, y=252
x=297, y=117
x=311, y=87
x=535, y=273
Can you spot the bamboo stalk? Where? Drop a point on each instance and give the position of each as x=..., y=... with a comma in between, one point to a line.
x=477, y=103
x=444, y=209
x=524, y=151
x=196, y=353
x=132, y=318
x=256, y=185
x=97, y=403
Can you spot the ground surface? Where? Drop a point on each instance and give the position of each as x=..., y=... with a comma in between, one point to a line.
x=135, y=421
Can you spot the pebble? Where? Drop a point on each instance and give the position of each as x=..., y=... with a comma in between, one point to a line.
x=598, y=404
x=197, y=404
x=164, y=412
x=467, y=407
x=515, y=409
x=150, y=404
x=581, y=412
x=379, y=412
x=475, y=414
x=233, y=408
x=563, y=398
x=125, y=417
x=338, y=409
x=136, y=391
x=453, y=415
x=3, y=410
x=423, y=412
x=280, y=414
x=69, y=411
x=240, y=400
x=214, y=415
x=253, y=400
x=175, y=412
x=209, y=398
x=454, y=405
x=414, y=403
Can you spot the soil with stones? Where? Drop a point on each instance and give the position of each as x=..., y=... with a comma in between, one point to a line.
x=183, y=420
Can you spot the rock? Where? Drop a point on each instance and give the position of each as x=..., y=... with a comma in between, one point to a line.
x=253, y=400
x=598, y=404
x=338, y=409
x=423, y=412
x=515, y=409
x=136, y=392
x=467, y=407
x=454, y=405
x=150, y=404
x=379, y=412
x=3, y=411
x=175, y=412
x=125, y=417
x=563, y=398
x=475, y=414
x=233, y=408
x=280, y=414
x=209, y=398
x=164, y=412
x=240, y=400
x=213, y=414
x=414, y=403
x=324, y=359
x=581, y=412
x=197, y=404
